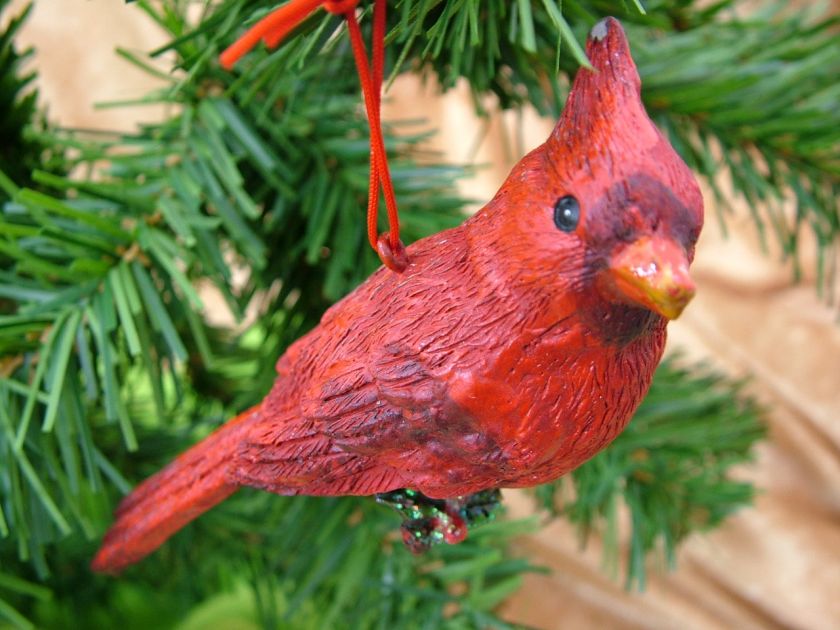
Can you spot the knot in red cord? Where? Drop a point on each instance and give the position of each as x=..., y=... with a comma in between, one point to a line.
x=340, y=7
x=396, y=259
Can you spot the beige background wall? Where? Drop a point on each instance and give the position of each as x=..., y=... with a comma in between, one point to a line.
x=777, y=565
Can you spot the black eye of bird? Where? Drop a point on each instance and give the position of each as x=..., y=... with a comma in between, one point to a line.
x=566, y=213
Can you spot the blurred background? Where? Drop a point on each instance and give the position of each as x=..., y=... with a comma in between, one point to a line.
x=775, y=565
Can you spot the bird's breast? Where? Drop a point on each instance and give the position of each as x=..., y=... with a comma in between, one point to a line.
x=554, y=397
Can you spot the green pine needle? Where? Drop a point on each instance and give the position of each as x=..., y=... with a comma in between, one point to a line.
x=669, y=468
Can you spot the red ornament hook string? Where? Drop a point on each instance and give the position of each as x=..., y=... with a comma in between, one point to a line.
x=389, y=247
x=272, y=29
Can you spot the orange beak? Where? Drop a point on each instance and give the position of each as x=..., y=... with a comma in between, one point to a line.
x=652, y=272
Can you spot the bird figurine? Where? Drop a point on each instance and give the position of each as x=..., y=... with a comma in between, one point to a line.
x=508, y=351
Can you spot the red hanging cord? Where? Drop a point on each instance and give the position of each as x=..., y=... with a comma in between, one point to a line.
x=272, y=29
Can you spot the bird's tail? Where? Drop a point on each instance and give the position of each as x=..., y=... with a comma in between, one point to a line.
x=164, y=503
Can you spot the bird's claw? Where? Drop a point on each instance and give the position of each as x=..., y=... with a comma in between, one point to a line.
x=428, y=522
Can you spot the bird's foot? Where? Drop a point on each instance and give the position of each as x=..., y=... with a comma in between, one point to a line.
x=428, y=522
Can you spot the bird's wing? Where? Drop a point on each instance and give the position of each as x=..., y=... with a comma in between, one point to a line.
x=361, y=428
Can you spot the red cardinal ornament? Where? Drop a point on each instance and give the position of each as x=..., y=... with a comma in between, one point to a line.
x=509, y=351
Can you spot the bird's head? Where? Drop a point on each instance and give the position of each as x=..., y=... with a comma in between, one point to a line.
x=604, y=208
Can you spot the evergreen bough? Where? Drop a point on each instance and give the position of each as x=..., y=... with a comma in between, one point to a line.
x=109, y=365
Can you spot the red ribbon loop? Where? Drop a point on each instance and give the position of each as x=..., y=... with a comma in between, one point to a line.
x=272, y=29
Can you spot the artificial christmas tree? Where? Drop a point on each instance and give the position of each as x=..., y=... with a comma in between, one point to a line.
x=103, y=347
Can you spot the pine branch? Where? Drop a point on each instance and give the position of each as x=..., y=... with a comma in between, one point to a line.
x=309, y=563
x=16, y=107
x=20, y=153
x=756, y=99
x=105, y=346
x=670, y=468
